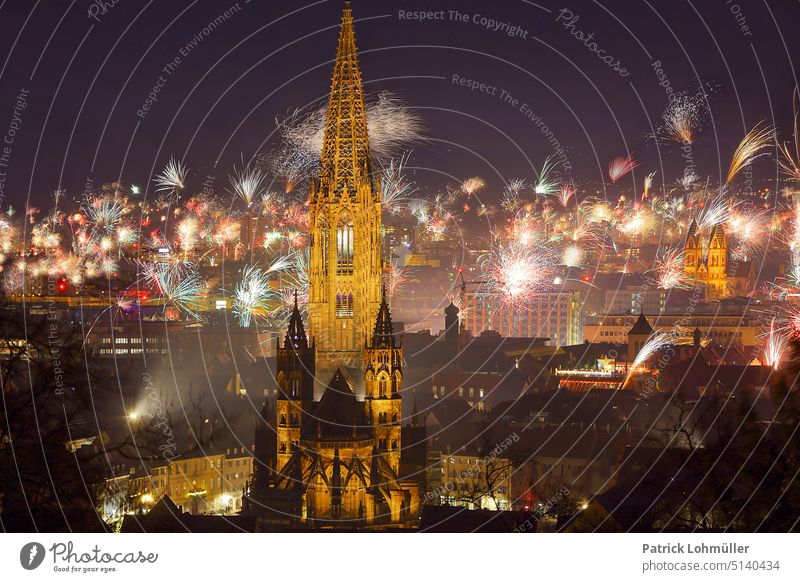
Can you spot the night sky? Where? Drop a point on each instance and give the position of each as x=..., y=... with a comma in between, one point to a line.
x=88, y=70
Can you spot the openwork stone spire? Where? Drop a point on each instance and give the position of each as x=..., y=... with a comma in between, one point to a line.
x=345, y=157
x=296, y=334
x=383, y=336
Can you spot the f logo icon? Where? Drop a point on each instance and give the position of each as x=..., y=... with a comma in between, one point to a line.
x=31, y=555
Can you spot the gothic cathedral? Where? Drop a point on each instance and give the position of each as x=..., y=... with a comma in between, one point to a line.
x=336, y=460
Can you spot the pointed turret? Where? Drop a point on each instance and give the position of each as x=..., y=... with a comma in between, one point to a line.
x=637, y=337
x=345, y=150
x=383, y=336
x=692, y=233
x=296, y=334
x=641, y=327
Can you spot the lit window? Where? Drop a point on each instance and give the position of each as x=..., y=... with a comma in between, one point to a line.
x=344, y=245
x=344, y=305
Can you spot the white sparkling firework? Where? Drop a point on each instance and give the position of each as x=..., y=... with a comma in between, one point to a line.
x=172, y=178
x=512, y=195
x=252, y=296
x=669, y=269
x=174, y=285
x=657, y=340
x=777, y=342
x=648, y=183
x=683, y=117
x=545, y=184
x=247, y=183
x=717, y=211
x=471, y=185
x=396, y=190
x=395, y=280
x=104, y=213
x=516, y=271
x=392, y=126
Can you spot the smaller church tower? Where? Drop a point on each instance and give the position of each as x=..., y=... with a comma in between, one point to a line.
x=717, y=285
x=295, y=375
x=693, y=252
x=638, y=336
x=383, y=378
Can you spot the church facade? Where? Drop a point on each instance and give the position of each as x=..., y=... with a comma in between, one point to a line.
x=325, y=458
x=706, y=262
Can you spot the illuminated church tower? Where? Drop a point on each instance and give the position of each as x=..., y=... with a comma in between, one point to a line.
x=383, y=378
x=345, y=222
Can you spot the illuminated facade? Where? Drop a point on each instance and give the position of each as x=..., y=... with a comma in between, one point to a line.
x=707, y=265
x=345, y=222
x=553, y=315
x=335, y=461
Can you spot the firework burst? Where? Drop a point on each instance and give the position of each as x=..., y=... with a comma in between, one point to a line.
x=683, y=117
x=648, y=183
x=516, y=271
x=669, y=269
x=545, y=184
x=391, y=124
x=396, y=279
x=620, y=166
x=512, y=195
x=752, y=146
x=657, y=340
x=172, y=178
x=396, y=190
x=789, y=158
x=471, y=185
x=777, y=342
x=565, y=194
x=252, y=296
x=247, y=183
x=174, y=285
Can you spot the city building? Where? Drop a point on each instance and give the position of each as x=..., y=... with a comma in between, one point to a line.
x=211, y=484
x=556, y=316
x=719, y=329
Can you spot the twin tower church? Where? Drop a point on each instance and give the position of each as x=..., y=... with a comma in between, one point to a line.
x=323, y=456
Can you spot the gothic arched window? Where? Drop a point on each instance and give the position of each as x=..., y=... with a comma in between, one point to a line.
x=382, y=387
x=344, y=305
x=324, y=234
x=344, y=243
